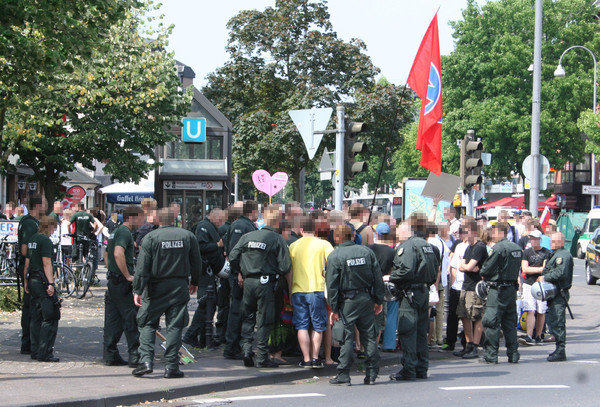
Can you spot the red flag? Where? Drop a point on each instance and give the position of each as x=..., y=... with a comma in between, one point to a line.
x=545, y=218
x=425, y=79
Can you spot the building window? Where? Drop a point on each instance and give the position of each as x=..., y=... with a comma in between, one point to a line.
x=212, y=149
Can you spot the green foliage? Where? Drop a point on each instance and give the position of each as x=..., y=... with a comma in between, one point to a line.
x=589, y=124
x=117, y=105
x=283, y=58
x=488, y=88
x=9, y=299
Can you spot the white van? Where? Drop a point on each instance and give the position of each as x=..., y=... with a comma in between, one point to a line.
x=592, y=221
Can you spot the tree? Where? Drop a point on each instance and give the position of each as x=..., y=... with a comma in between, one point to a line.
x=114, y=107
x=40, y=39
x=487, y=86
x=283, y=58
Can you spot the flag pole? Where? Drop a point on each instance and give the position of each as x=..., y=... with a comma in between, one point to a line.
x=387, y=148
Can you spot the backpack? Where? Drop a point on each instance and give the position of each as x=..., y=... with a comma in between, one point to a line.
x=357, y=236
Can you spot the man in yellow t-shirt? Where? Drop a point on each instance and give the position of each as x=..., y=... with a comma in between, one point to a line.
x=309, y=256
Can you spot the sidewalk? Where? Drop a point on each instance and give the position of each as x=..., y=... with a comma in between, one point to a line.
x=81, y=378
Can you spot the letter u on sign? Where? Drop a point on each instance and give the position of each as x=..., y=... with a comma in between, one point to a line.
x=193, y=130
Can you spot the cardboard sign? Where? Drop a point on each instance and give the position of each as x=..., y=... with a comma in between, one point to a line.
x=270, y=185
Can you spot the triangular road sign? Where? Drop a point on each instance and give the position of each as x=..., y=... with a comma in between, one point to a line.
x=325, y=164
x=309, y=120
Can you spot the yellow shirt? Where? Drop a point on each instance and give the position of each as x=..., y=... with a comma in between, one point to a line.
x=309, y=256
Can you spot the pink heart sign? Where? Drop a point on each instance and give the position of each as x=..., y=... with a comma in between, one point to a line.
x=267, y=183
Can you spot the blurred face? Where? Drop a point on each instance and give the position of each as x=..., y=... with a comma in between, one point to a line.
x=558, y=241
x=535, y=242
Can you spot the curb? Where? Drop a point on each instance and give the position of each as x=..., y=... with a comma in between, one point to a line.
x=196, y=389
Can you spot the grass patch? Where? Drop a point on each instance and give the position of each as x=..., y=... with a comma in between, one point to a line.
x=9, y=300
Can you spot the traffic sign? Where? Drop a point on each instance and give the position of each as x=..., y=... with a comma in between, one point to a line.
x=528, y=166
x=308, y=121
x=193, y=130
x=326, y=164
x=591, y=189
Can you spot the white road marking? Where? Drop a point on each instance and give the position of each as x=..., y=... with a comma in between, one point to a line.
x=524, y=386
x=259, y=397
x=586, y=361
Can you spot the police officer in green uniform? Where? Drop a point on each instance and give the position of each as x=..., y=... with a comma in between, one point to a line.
x=199, y=334
x=243, y=225
x=40, y=285
x=355, y=294
x=258, y=259
x=119, y=310
x=501, y=273
x=558, y=271
x=168, y=257
x=28, y=226
x=84, y=226
x=415, y=268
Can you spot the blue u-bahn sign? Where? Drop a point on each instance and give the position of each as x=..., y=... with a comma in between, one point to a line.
x=193, y=130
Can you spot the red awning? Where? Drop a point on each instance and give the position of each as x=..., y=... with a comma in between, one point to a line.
x=519, y=203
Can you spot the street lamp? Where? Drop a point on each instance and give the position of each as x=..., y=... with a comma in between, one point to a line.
x=559, y=73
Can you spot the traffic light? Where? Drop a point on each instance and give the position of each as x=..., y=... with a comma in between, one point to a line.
x=353, y=147
x=470, y=161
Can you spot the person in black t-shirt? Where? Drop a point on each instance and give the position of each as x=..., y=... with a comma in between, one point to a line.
x=471, y=307
x=534, y=260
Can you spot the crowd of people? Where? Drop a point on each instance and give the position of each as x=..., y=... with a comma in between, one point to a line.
x=324, y=285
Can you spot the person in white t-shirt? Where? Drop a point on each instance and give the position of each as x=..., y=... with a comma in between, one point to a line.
x=457, y=277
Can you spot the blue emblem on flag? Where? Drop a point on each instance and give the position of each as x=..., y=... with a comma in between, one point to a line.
x=434, y=89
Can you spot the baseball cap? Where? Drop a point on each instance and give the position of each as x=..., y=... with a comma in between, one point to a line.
x=535, y=233
x=382, y=228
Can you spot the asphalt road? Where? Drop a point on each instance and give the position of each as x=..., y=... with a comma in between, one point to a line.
x=533, y=381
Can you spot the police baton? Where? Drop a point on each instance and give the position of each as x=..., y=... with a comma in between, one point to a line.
x=562, y=294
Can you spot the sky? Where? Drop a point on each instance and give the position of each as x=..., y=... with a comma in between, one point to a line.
x=391, y=29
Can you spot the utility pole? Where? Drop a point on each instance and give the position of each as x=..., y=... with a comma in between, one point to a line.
x=536, y=110
x=339, y=158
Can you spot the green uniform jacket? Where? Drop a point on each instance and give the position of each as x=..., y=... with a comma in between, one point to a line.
x=503, y=263
x=224, y=232
x=352, y=267
x=39, y=246
x=240, y=227
x=208, y=239
x=167, y=252
x=28, y=226
x=415, y=263
x=121, y=236
x=559, y=269
x=83, y=223
x=261, y=252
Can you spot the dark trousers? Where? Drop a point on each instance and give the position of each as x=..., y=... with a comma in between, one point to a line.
x=500, y=313
x=201, y=325
x=234, y=319
x=452, y=321
x=358, y=312
x=120, y=317
x=556, y=319
x=25, y=314
x=43, y=325
x=223, y=295
x=168, y=297
x=413, y=325
x=258, y=310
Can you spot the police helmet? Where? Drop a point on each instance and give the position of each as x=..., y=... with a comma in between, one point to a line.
x=481, y=290
x=543, y=290
x=224, y=273
x=391, y=291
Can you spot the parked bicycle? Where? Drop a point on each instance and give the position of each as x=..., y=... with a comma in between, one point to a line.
x=84, y=264
x=64, y=277
x=8, y=262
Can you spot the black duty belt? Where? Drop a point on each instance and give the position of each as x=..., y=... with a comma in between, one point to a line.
x=500, y=284
x=420, y=286
x=34, y=275
x=259, y=275
x=350, y=294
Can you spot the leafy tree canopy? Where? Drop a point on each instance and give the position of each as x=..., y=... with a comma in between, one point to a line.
x=487, y=86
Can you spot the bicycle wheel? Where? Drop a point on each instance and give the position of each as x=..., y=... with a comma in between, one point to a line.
x=65, y=281
x=85, y=279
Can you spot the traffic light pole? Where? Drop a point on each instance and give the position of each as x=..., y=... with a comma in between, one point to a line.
x=339, y=158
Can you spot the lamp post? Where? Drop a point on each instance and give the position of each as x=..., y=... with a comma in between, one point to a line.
x=560, y=72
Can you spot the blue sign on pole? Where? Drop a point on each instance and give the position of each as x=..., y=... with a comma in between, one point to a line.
x=193, y=130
